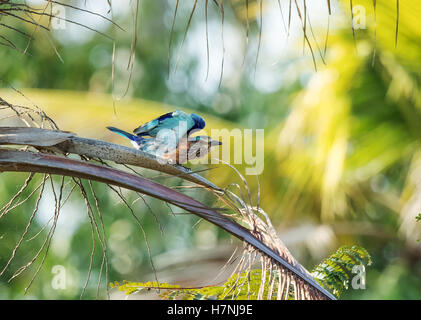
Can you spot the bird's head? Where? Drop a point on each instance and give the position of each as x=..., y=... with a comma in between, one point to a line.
x=199, y=122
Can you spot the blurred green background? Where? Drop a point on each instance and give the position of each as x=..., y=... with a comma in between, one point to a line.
x=342, y=144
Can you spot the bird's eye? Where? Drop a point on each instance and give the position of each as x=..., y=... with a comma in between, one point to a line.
x=198, y=153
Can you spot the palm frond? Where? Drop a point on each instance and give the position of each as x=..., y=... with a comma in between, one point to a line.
x=335, y=272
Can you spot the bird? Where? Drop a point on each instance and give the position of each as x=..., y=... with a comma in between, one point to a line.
x=188, y=148
x=169, y=137
x=168, y=128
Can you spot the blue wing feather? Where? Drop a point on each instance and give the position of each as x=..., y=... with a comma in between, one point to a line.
x=170, y=120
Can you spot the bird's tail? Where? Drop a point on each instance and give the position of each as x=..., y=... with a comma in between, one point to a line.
x=123, y=133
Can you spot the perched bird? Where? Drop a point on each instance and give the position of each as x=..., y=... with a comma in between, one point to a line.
x=188, y=148
x=168, y=129
x=168, y=137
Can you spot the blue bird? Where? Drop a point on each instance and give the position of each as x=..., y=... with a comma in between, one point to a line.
x=167, y=130
x=187, y=149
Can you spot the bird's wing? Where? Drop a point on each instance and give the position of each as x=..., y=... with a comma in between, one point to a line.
x=148, y=126
x=169, y=121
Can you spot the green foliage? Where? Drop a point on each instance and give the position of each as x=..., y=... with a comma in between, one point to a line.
x=335, y=272
x=243, y=286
